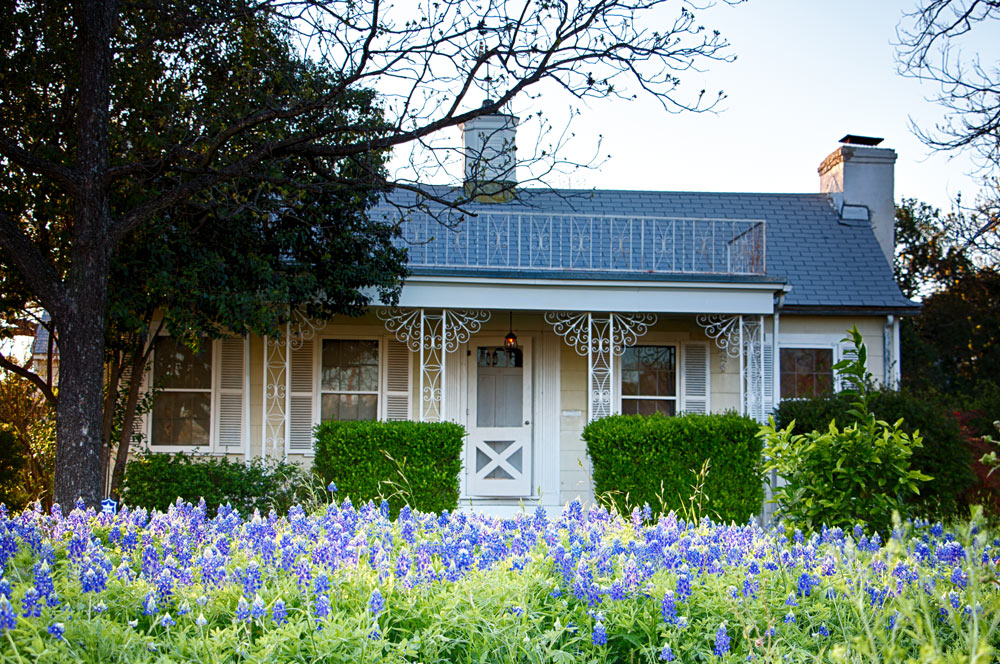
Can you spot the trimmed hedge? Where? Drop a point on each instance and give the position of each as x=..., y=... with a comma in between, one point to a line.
x=944, y=455
x=406, y=463
x=157, y=480
x=657, y=460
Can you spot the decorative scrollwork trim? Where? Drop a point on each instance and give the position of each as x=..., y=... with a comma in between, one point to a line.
x=574, y=328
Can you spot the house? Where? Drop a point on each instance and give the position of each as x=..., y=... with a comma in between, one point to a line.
x=543, y=309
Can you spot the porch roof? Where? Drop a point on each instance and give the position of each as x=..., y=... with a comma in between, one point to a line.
x=826, y=262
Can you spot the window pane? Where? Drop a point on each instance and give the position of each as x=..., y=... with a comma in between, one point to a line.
x=649, y=371
x=350, y=366
x=177, y=367
x=806, y=372
x=349, y=407
x=181, y=418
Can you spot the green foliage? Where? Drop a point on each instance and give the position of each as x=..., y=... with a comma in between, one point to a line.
x=407, y=463
x=943, y=455
x=155, y=481
x=840, y=476
x=660, y=460
x=27, y=443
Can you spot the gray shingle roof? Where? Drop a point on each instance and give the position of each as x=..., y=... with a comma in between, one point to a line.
x=826, y=262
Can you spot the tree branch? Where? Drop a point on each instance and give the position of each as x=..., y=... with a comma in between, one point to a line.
x=30, y=376
x=61, y=175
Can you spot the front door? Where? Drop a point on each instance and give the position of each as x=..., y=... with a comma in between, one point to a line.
x=499, y=453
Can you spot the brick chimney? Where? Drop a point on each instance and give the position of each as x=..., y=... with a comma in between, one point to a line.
x=490, y=157
x=859, y=178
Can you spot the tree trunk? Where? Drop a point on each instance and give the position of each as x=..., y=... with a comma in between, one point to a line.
x=79, y=440
x=139, y=358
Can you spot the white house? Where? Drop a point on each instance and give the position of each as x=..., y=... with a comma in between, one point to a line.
x=620, y=301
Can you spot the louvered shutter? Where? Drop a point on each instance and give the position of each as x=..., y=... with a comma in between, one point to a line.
x=230, y=428
x=139, y=423
x=769, y=401
x=695, y=382
x=300, y=399
x=396, y=396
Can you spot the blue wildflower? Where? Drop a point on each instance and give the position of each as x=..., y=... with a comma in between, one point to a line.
x=242, y=610
x=57, y=629
x=149, y=607
x=667, y=654
x=599, y=637
x=331, y=487
x=376, y=602
x=789, y=617
x=8, y=618
x=278, y=612
x=823, y=631
x=668, y=608
x=257, y=608
x=721, y=645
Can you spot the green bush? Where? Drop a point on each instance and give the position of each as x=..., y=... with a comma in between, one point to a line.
x=658, y=460
x=155, y=481
x=407, y=463
x=842, y=476
x=944, y=455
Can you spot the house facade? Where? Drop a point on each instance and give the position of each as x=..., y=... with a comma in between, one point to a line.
x=533, y=311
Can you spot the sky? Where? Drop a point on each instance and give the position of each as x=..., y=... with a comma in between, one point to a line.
x=807, y=73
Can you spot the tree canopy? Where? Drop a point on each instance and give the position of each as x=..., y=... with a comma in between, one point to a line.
x=260, y=126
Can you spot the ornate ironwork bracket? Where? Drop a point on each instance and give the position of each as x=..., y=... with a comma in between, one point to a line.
x=599, y=338
x=725, y=331
x=433, y=336
x=301, y=329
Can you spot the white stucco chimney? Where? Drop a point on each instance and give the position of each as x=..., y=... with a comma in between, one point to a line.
x=859, y=179
x=490, y=157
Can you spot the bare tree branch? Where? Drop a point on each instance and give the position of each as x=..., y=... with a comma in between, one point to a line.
x=36, y=380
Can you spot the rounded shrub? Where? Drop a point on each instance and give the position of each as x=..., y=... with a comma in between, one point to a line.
x=406, y=463
x=660, y=461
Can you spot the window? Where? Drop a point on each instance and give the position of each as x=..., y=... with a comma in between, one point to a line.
x=182, y=411
x=349, y=384
x=649, y=380
x=806, y=372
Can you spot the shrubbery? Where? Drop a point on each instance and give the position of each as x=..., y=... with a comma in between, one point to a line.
x=839, y=476
x=155, y=481
x=944, y=454
x=414, y=463
x=658, y=460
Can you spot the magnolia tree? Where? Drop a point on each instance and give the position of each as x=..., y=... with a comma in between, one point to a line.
x=163, y=127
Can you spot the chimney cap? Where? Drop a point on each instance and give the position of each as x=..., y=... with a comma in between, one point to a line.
x=852, y=139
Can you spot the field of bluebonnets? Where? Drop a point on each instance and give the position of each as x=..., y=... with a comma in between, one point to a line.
x=345, y=584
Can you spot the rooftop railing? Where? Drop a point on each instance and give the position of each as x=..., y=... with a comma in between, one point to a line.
x=529, y=241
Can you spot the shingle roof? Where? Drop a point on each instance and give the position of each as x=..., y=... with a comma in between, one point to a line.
x=827, y=262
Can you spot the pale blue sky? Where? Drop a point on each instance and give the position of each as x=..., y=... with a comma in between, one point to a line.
x=807, y=72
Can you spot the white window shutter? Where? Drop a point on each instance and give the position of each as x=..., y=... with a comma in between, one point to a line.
x=229, y=405
x=141, y=421
x=769, y=400
x=695, y=378
x=300, y=399
x=397, y=381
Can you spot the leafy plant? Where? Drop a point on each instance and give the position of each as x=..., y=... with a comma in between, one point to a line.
x=944, y=452
x=156, y=481
x=841, y=476
x=663, y=461
x=406, y=463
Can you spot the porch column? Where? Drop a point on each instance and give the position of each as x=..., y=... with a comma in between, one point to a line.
x=432, y=335
x=600, y=338
x=275, y=408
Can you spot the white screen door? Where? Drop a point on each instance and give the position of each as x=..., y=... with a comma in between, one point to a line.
x=499, y=454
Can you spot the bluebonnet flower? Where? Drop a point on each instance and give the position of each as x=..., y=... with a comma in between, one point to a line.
x=167, y=621
x=257, y=608
x=667, y=654
x=376, y=633
x=331, y=487
x=322, y=608
x=376, y=603
x=278, y=612
x=805, y=584
x=599, y=637
x=100, y=607
x=668, y=608
x=721, y=645
x=791, y=601
x=8, y=618
x=31, y=605
x=823, y=631
x=789, y=617
x=200, y=621
x=149, y=607
x=242, y=610
x=959, y=577
x=57, y=629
